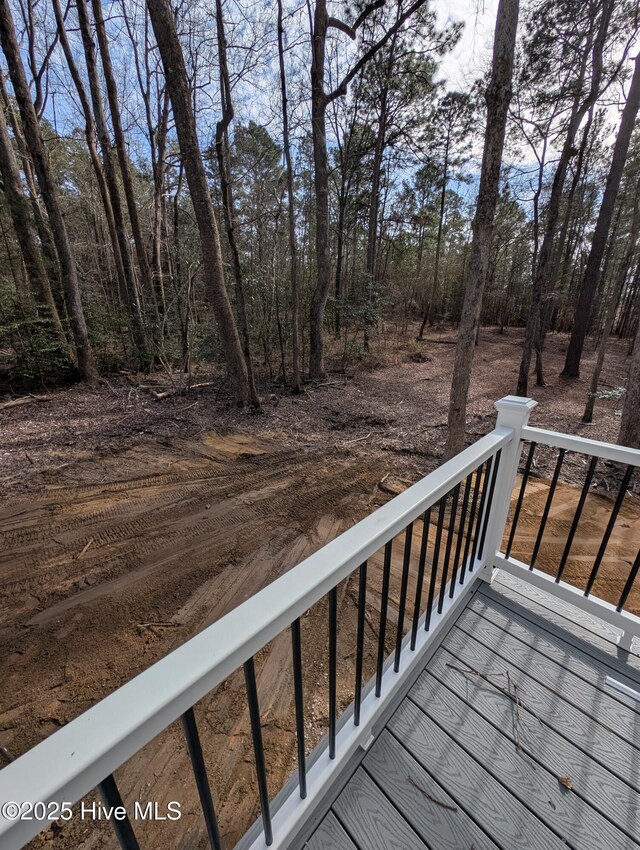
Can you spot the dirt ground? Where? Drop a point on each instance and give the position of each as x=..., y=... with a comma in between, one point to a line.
x=397, y=406
x=128, y=524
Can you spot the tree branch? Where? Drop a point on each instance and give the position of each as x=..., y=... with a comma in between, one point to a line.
x=371, y=52
x=340, y=25
x=364, y=14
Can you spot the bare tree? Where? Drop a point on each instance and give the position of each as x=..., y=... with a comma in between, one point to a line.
x=49, y=191
x=321, y=187
x=121, y=148
x=598, y=243
x=454, y=116
x=389, y=66
x=498, y=96
x=105, y=177
x=614, y=297
x=157, y=130
x=630, y=425
x=320, y=99
x=293, y=248
x=172, y=57
x=26, y=233
x=90, y=137
x=592, y=53
x=222, y=156
x=39, y=213
x=113, y=190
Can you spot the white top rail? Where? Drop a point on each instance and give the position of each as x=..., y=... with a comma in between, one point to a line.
x=72, y=761
x=594, y=448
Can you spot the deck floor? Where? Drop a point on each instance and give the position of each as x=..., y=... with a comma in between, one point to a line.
x=510, y=738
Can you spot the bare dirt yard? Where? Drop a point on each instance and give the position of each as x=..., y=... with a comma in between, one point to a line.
x=129, y=523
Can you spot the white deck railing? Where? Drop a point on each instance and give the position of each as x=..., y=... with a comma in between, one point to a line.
x=84, y=754
x=581, y=597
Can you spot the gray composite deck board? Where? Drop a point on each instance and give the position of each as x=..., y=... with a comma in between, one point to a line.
x=579, y=632
x=564, y=812
x=594, y=739
x=460, y=765
x=425, y=804
x=592, y=782
x=549, y=644
x=597, y=702
x=581, y=619
x=470, y=784
x=330, y=835
x=371, y=819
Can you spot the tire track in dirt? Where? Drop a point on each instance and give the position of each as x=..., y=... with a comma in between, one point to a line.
x=248, y=479
x=114, y=523
x=90, y=565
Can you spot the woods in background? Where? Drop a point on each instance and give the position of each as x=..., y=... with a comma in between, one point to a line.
x=237, y=183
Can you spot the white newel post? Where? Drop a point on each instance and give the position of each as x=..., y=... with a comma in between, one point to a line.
x=513, y=413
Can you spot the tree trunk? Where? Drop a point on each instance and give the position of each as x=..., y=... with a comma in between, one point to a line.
x=178, y=86
x=498, y=96
x=159, y=167
x=612, y=245
x=338, y=293
x=26, y=233
x=587, y=416
x=557, y=265
x=580, y=167
x=293, y=249
x=49, y=193
x=626, y=311
x=634, y=322
x=49, y=254
x=630, y=425
x=533, y=339
x=321, y=186
x=594, y=46
x=123, y=158
x=598, y=244
x=613, y=303
x=90, y=137
x=122, y=254
x=20, y=281
x=222, y=155
x=429, y=313
x=157, y=144
x=374, y=202
x=319, y=101
x=115, y=225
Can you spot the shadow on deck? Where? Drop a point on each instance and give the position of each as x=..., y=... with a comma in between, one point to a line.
x=514, y=735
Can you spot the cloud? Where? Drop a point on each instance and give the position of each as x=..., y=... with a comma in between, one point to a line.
x=472, y=54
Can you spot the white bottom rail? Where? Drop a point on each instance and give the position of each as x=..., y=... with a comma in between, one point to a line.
x=628, y=624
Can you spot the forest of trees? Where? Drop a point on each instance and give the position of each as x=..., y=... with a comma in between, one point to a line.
x=245, y=183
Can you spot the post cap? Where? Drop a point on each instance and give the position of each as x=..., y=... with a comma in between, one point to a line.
x=516, y=404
